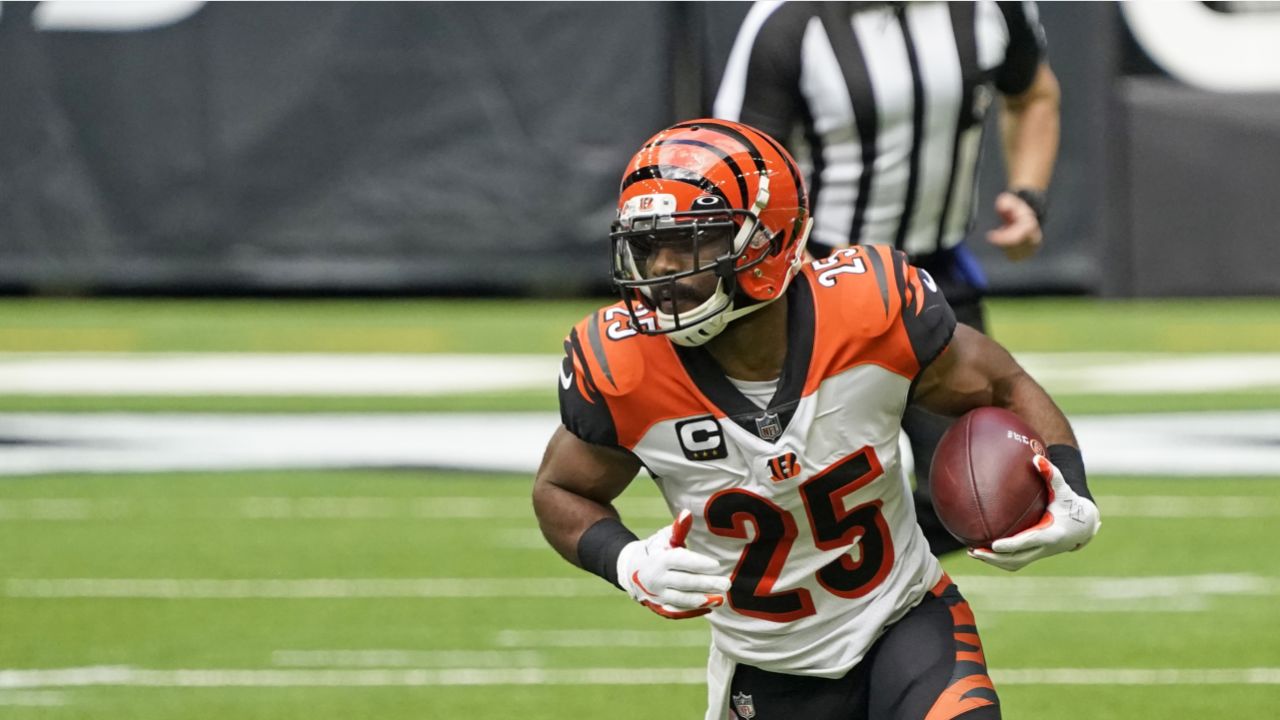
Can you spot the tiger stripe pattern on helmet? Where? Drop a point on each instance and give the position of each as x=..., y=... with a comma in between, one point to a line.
x=732, y=131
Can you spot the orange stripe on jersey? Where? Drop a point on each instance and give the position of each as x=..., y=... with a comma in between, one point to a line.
x=639, y=376
x=916, y=295
x=582, y=386
x=858, y=306
x=970, y=686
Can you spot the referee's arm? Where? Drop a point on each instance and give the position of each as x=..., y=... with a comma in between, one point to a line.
x=1029, y=128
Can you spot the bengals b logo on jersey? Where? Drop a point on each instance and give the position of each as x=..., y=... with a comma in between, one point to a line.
x=784, y=467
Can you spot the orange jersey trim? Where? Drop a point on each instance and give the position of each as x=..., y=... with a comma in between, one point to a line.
x=639, y=376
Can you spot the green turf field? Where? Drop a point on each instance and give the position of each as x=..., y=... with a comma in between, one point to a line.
x=518, y=326
x=414, y=594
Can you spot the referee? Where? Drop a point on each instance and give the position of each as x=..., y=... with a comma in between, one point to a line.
x=884, y=103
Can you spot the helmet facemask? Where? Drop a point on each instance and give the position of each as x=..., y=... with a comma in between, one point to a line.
x=680, y=268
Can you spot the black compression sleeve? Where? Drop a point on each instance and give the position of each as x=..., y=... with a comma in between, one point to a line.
x=600, y=545
x=1069, y=461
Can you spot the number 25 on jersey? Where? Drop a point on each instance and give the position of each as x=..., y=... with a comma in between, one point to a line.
x=752, y=593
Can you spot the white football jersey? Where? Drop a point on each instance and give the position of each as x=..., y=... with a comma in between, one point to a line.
x=805, y=503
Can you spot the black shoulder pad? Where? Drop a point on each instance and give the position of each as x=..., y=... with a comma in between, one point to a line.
x=927, y=317
x=583, y=409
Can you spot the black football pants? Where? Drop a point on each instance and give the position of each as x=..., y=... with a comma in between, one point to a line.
x=928, y=664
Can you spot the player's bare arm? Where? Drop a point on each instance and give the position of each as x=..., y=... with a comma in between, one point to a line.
x=575, y=488
x=1030, y=130
x=976, y=371
x=1029, y=125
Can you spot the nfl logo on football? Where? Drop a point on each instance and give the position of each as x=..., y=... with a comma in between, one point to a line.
x=744, y=706
x=769, y=426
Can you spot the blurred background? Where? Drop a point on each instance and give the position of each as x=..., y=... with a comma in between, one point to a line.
x=283, y=288
x=428, y=148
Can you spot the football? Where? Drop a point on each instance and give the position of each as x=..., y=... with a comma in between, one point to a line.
x=983, y=484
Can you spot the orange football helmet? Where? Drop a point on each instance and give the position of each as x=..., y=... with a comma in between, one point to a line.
x=707, y=200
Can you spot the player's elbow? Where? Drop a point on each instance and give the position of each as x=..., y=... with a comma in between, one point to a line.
x=1009, y=389
x=1045, y=94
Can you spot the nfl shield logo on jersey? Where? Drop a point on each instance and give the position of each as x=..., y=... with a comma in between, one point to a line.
x=769, y=426
x=744, y=706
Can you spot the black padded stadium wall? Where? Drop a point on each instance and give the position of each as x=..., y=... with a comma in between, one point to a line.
x=459, y=147
x=384, y=147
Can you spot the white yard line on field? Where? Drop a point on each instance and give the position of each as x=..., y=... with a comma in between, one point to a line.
x=529, y=539
x=124, y=675
x=603, y=637
x=309, y=588
x=1138, y=676
x=318, y=374
x=385, y=508
x=489, y=509
x=452, y=507
x=1181, y=507
x=31, y=698
x=1152, y=373
x=265, y=374
x=265, y=678
x=1189, y=593
x=160, y=442
x=1169, y=444
x=385, y=658
x=64, y=509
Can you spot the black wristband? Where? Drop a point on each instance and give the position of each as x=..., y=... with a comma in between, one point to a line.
x=1069, y=461
x=600, y=545
x=1037, y=200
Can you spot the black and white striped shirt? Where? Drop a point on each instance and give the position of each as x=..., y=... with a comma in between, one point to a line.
x=884, y=104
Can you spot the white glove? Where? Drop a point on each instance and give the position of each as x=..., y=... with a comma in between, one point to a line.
x=670, y=580
x=1069, y=523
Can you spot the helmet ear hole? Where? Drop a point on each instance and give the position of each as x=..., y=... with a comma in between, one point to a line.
x=776, y=242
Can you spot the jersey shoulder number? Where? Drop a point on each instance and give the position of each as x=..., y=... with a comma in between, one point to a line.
x=872, y=301
x=604, y=360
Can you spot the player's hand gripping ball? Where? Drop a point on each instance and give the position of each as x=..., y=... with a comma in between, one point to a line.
x=995, y=490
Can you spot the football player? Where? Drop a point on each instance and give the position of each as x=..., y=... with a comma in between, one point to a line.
x=763, y=395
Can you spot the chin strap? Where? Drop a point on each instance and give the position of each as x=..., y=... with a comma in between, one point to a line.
x=702, y=332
